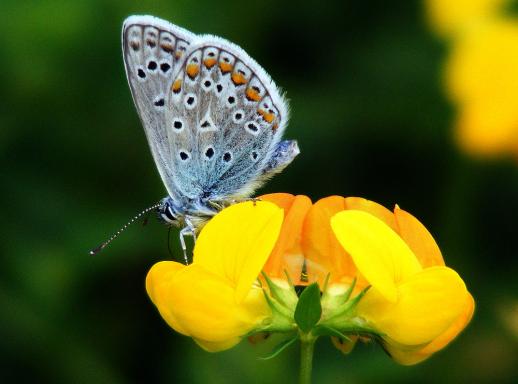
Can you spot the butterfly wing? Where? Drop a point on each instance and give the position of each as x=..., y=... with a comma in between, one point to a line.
x=152, y=49
x=228, y=117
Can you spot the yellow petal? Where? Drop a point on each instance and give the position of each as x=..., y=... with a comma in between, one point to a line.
x=404, y=356
x=452, y=332
x=236, y=243
x=158, y=281
x=378, y=252
x=211, y=346
x=418, y=239
x=202, y=305
x=428, y=303
x=413, y=356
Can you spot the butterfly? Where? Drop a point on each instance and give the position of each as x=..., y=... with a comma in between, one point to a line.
x=213, y=118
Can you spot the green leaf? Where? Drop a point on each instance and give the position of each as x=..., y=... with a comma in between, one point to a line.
x=279, y=348
x=309, y=309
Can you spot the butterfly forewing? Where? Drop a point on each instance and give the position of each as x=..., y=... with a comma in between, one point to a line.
x=227, y=117
x=152, y=48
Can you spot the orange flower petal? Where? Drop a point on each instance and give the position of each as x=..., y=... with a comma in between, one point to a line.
x=287, y=254
x=323, y=252
x=373, y=208
x=418, y=239
x=324, y=255
x=344, y=346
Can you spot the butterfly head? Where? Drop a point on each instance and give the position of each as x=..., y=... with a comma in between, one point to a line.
x=169, y=213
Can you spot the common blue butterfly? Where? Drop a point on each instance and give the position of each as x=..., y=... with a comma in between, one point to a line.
x=212, y=116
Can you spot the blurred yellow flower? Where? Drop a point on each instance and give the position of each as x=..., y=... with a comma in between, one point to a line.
x=482, y=80
x=416, y=303
x=481, y=72
x=448, y=17
x=215, y=299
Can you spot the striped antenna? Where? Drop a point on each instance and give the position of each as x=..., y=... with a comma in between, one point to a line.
x=95, y=251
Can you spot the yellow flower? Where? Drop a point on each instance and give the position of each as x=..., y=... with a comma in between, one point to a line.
x=415, y=302
x=482, y=80
x=215, y=299
x=405, y=268
x=448, y=17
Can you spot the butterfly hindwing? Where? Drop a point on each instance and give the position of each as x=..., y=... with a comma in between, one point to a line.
x=227, y=118
x=152, y=49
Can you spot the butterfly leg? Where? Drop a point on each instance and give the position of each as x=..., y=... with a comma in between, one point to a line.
x=191, y=227
x=188, y=230
x=183, y=233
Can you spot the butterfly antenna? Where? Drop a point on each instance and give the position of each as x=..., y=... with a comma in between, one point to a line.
x=116, y=234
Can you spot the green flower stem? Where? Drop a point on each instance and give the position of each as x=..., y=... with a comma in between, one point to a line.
x=307, y=342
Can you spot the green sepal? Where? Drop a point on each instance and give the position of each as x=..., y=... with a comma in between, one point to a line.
x=334, y=301
x=276, y=307
x=279, y=348
x=347, y=293
x=346, y=309
x=309, y=308
x=285, y=296
x=323, y=330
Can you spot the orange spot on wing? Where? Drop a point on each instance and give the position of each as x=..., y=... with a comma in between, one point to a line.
x=252, y=94
x=209, y=63
x=225, y=67
x=238, y=78
x=178, y=54
x=192, y=70
x=268, y=117
x=167, y=47
x=177, y=86
x=275, y=127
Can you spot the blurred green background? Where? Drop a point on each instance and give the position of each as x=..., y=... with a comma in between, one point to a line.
x=371, y=118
